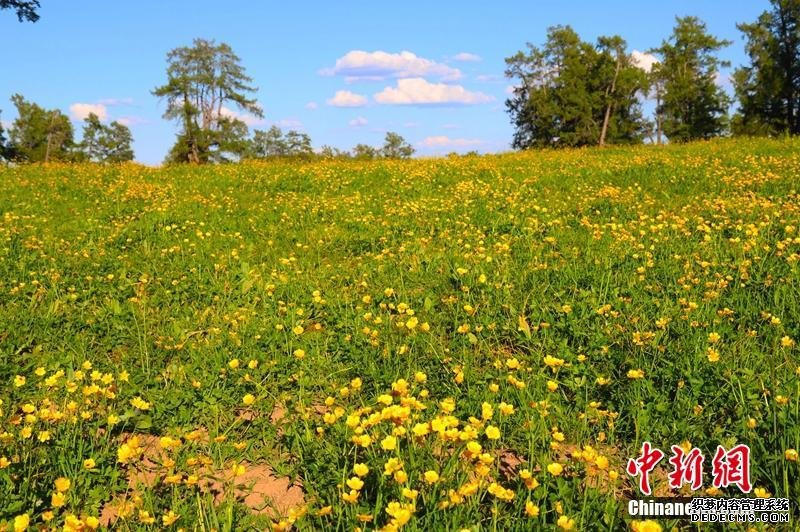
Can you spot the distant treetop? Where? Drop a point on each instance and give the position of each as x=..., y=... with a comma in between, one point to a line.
x=26, y=9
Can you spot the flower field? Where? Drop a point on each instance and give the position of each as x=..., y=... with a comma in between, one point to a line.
x=433, y=344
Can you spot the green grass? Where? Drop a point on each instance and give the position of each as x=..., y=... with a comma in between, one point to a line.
x=611, y=260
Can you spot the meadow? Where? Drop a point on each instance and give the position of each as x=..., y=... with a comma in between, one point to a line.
x=435, y=344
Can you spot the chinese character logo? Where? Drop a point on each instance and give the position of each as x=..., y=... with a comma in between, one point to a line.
x=644, y=465
x=729, y=468
x=732, y=468
x=687, y=468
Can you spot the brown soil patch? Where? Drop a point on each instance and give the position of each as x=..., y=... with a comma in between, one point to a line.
x=258, y=488
x=246, y=414
x=278, y=413
x=509, y=462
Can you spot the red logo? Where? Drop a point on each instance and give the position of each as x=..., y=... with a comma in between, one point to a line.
x=732, y=467
x=729, y=468
x=645, y=464
x=687, y=468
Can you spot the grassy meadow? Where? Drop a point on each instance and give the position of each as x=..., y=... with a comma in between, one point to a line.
x=433, y=344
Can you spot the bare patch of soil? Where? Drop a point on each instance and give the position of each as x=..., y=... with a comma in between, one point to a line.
x=258, y=488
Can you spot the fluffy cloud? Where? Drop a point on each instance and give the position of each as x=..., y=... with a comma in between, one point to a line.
x=643, y=60
x=358, y=65
x=248, y=119
x=81, y=111
x=131, y=120
x=311, y=105
x=116, y=101
x=417, y=91
x=442, y=141
x=347, y=99
x=289, y=123
x=724, y=81
x=467, y=57
x=358, y=122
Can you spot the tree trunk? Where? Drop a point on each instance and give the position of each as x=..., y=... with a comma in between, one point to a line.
x=49, y=137
x=193, y=156
x=610, y=95
x=658, y=117
x=47, y=149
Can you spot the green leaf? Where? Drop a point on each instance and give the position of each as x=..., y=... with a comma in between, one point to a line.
x=524, y=327
x=144, y=422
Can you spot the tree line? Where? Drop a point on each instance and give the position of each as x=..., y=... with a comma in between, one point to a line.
x=205, y=92
x=47, y=135
x=567, y=92
x=274, y=143
x=44, y=135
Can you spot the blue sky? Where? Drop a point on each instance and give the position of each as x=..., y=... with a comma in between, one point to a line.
x=107, y=56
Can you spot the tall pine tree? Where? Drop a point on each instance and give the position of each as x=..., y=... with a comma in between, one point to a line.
x=106, y=144
x=571, y=93
x=768, y=88
x=692, y=105
x=622, y=83
x=40, y=135
x=201, y=80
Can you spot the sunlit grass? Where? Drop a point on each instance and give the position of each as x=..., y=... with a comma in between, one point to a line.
x=472, y=342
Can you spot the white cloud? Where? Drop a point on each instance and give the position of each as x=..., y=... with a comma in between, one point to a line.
x=289, y=123
x=417, y=91
x=442, y=141
x=131, y=120
x=81, y=111
x=466, y=56
x=358, y=65
x=643, y=60
x=347, y=99
x=358, y=122
x=116, y=101
x=412, y=124
x=311, y=105
x=247, y=118
x=723, y=81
